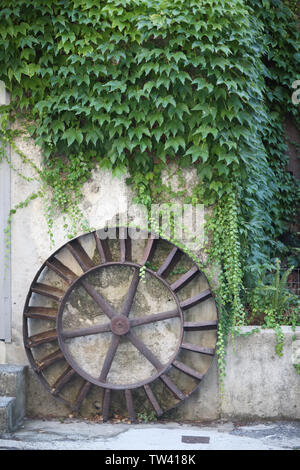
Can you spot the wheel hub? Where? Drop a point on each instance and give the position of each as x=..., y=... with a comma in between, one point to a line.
x=120, y=325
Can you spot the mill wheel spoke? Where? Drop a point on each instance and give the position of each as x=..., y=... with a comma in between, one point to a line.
x=107, y=309
x=153, y=318
x=48, y=291
x=80, y=255
x=125, y=245
x=103, y=249
x=185, y=279
x=92, y=330
x=61, y=270
x=106, y=404
x=83, y=391
x=187, y=370
x=41, y=313
x=50, y=359
x=149, y=250
x=126, y=307
x=169, y=263
x=198, y=349
x=200, y=326
x=62, y=381
x=172, y=387
x=41, y=338
x=130, y=407
x=144, y=350
x=109, y=357
x=153, y=400
x=197, y=299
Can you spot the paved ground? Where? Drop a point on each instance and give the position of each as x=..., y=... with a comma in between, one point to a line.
x=73, y=434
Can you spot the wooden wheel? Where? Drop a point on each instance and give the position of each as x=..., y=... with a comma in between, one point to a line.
x=91, y=322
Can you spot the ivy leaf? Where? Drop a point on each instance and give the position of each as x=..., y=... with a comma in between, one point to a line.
x=157, y=133
x=219, y=62
x=204, y=131
x=205, y=172
x=175, y=143
x=149, y=85
x=92, y=136
x=70, y=135
x=114, y=85
x=202, y=83
x=30, y=69
x=41, y=105
x=156, y=117
x=198, y=151
x=58, y=125
x=164, y=101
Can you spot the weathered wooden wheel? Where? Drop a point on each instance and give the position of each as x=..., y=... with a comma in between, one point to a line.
x=89, y=323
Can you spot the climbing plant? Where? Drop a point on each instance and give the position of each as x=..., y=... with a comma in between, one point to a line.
x=294, y=6
x=136, y=85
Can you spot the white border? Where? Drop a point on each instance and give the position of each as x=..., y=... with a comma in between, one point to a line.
x=5, y=273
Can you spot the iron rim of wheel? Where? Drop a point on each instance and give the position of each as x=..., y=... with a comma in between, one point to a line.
x=71, y=279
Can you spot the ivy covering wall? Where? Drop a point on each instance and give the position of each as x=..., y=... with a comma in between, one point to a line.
x=294, y=6
x=135, y=85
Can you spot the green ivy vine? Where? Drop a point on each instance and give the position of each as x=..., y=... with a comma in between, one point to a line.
x=137, y=86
